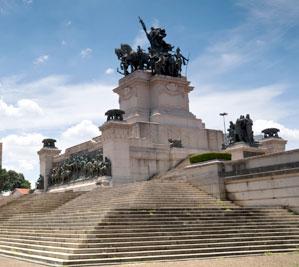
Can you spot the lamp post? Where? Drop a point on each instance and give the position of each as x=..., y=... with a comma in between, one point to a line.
x=223, y=114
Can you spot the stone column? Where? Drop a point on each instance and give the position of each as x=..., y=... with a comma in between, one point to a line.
x=46, y=156
x=115, y=139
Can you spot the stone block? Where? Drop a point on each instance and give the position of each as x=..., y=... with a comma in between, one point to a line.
x=241, y=150
x=273, y=145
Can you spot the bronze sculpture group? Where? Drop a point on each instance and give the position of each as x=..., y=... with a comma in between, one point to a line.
x=241, y=131
x=80, y=167
x=115, y=115
x=160, y=58
x=49, y=143
x=177, y=143
x=271, y=133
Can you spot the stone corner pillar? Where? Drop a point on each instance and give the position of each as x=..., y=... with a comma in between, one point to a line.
x=134, y=96
x=46, y=156
x=115, y=139
x=273, y=145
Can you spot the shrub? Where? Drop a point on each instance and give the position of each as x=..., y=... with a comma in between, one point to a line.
x=209, y=156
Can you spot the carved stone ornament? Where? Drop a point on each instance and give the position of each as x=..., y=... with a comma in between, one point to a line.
x=172, y=89
x=127, y=92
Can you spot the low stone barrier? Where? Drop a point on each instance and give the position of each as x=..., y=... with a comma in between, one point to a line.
x=207, y=176
x=270, y=180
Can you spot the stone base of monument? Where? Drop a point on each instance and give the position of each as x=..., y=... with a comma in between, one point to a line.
x=156, y=111
x=273, y=145
x=241, y=150
x=157, y=130
x=82, y=184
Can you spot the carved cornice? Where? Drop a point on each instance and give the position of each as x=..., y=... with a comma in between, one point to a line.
x=127, y=92
x=115, y=130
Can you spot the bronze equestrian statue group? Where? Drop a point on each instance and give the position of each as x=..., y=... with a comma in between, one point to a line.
x=160, y=59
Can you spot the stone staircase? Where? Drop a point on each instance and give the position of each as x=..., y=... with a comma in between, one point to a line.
x=160, y=219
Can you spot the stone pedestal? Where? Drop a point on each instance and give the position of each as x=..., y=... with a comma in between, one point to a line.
x=115, y=138
x=241, y=150
x=134, y=96
x=46, y=157
x=273, y=145
x=156, y=98
x=156, y=110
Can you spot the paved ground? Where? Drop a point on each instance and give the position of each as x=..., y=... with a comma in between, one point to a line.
x=278, y=260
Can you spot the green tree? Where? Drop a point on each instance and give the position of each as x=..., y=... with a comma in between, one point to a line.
x=9, y=180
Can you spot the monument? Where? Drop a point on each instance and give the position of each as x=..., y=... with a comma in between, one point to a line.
x=152, y=130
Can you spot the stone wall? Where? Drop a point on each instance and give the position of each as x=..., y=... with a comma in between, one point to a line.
x=269, y=180
x=82, y=185
x=207, y=176
x=277, y=188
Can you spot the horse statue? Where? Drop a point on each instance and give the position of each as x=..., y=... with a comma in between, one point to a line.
x=130, y=58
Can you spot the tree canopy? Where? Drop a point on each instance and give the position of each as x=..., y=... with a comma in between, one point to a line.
x=9, y=180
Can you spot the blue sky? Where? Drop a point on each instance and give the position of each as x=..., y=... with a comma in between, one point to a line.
x=58, y=67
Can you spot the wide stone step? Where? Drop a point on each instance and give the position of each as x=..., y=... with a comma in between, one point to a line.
x=204, y=223
x=150, y=216
x=125, y=243
x=148, y=247
x=117, y=260
x=165, y=238
x=121, y=221
x=66, y=256
x=69, y=218
x=175, y=226
x=125, y=231
x=154, y=251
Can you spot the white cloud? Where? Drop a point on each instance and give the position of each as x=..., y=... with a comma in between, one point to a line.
x=140, y=40
x=55, y=103
x=20, y=153
x=264, y=26
x=28, y=2
x=260, y=102
x=23, y=108
x=292, y=135
x=109, y=71
x=216, y=62
x=86, y=52
x=289, y=134
x=41, y=60
x=272, y=11
x=76, y=134
x=6, y=6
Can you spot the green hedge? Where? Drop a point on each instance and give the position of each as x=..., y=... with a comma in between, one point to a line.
x=209, y=156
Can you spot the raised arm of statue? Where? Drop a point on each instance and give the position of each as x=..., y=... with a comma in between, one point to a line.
x=145, y=30
x=142, y=24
